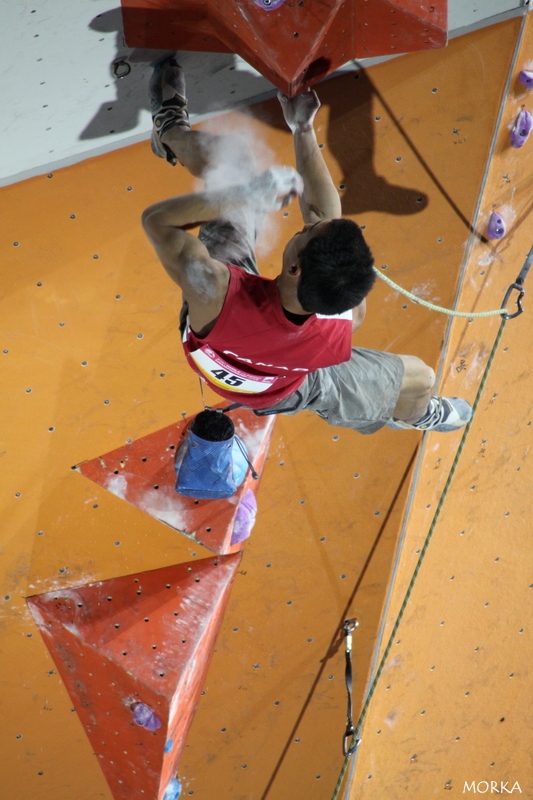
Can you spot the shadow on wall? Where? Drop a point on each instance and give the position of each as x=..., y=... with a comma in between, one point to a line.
x=354, y=151
x=350, y=139
x=214, y=83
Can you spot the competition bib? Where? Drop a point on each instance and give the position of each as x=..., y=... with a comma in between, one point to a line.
x=220, y=373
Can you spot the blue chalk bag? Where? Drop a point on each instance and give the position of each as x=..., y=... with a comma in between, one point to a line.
x=212, y=461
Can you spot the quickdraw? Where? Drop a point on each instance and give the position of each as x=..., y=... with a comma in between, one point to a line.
x=518, y=285
x=349, y=748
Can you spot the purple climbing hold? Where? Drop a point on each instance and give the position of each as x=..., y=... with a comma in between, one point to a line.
x=269, y=5
x=145, y=717
x=496, y=227
x=526, y=79
x=244, y=518
x=521, y=129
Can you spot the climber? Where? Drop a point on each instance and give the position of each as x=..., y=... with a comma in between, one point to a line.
x=283, y=345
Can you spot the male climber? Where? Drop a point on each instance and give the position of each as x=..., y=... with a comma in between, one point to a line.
x=280, y=345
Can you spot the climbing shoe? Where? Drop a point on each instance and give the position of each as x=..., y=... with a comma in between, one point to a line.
x=443, y=414
x=168, y=104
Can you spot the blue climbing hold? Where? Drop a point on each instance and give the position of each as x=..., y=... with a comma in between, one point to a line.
x=173, y=790
x=521, y=129
x=168, y=746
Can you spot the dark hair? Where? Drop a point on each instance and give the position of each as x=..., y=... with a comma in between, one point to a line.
x=336, y=269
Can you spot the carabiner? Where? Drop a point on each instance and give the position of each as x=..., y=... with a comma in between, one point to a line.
x=348, y=751
x=520, y=289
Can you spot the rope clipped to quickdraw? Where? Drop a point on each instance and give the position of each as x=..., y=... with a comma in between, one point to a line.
x=349, y=626
x=503, y=311
x=518, y=285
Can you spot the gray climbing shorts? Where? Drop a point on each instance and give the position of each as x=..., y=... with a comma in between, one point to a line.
x=360, y=393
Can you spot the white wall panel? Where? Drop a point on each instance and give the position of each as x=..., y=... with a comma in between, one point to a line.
x=61, y=102
x=469, y=12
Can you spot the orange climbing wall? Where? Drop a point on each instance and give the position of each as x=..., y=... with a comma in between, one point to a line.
x=91, y=359
x=449, y=710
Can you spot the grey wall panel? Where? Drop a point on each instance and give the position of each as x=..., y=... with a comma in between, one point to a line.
x=62, y=103
x=469, y=12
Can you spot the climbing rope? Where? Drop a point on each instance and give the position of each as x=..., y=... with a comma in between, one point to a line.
x=518, y=286
x=449, y=311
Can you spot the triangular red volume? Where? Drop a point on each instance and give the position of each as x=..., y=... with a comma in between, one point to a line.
x=294, y=43
x=137, y=648
x=142, y=473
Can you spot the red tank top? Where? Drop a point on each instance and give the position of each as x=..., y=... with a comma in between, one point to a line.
x=256, y=356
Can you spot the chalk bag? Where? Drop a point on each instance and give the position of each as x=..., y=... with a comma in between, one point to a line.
x=212, y=461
